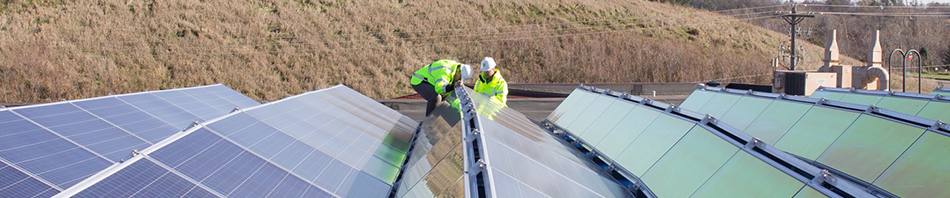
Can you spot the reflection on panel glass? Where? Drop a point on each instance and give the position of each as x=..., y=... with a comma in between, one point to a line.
x=815, y=131
x=590, y=115
x=625, y=132
x=719, y=104
x=936, y=110
x=584, y=99
x=650, y=145
x=606, y=121
x=904, y=105
x=869, y=146
x=436, y=162
x=922, y=171
x=567, y=104
x=745, y=111
x=775, y=120
x=747, y=176
x=518, y=147
x=829, y=95
x=861, y=99
x=174, y=115
x=685, y=167
x=697, y=99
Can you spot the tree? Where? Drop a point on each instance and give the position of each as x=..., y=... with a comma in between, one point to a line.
x=945, y=57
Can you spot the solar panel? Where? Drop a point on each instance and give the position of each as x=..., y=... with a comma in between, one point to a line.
x=696, y=101
x=435, y=166
x=921, y=170
x=531, y=159
x=16, y=183
x=681, y=153
x=740, y=116
x=863, y=142
x=687, y=165
x=719, y=104
x=869, y=146
x=256, y=151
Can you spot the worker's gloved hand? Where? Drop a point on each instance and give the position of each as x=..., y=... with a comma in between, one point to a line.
x=450, y=88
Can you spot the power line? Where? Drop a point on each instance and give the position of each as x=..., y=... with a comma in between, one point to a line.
x=394, y=46
x=373, y=33
x=368, y=40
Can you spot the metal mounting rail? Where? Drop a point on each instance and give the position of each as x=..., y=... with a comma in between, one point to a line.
x=821, y=179
x=475, y=167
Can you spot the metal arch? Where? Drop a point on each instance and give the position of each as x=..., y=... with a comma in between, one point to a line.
x=889, y=57
x=904, y=68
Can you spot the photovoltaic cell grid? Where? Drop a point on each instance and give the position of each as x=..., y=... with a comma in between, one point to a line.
x=868, y=145
x=921, y=105
x=306, y=145
x=64, y=142
x=436, y=166
x=525, y=160
x=673, y=156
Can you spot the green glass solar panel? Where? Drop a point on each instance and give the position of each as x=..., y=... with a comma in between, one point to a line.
x=775, y=120
x=869, y=146
x=815, y=131
x=571, y=112
x=740, y=116
x=936, y=110
x=625, y=132
x=655, y=140
x=687, y=165
x=829, y=95
x=746, y=176
x=589, y=115
x=861, y=99
x=808, y=192
x=719, y=104
x=922, y=171
x=606, y=121
x=697, y=99
x=904, y=105
x=566, y=104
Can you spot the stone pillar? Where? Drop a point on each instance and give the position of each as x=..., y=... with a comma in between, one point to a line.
x=875, y=53
x=831, y=48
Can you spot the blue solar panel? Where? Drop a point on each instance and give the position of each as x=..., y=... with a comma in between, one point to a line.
x=15, y=183
x=162, y=109
x=233, y=96
x=212, y=99
x=191, y=104
x=128, y=117
x=45, y=154
x=85, y=129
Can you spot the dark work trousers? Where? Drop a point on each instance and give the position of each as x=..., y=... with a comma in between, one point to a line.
x=427, y=91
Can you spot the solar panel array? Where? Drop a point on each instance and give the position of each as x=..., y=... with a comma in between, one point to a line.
x=50, y=147
x=524, y=159
x=870, y=144
x=318, y=144
x=678, y=153
x=941, y=91
x=932, y=107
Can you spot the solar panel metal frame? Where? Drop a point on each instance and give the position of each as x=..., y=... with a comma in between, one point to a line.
x=135, y=156
x=893, y=116
x=805, y=172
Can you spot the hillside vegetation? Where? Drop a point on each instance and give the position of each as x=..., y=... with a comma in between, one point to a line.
x=68, y=49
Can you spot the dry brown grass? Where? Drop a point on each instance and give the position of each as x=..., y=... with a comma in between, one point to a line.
x=54, y=50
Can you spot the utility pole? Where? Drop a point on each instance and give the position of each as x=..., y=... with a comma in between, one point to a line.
x=793, y=19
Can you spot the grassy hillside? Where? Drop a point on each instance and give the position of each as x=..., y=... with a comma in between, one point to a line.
x=52, y=49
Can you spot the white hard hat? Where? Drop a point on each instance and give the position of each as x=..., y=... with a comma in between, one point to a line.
x=488, y=64
x=466, y=71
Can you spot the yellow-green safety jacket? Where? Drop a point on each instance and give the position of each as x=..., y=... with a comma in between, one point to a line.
x=439, y=74
x=497, y=88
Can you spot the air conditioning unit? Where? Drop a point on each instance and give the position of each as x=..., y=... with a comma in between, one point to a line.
x=802, y=82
